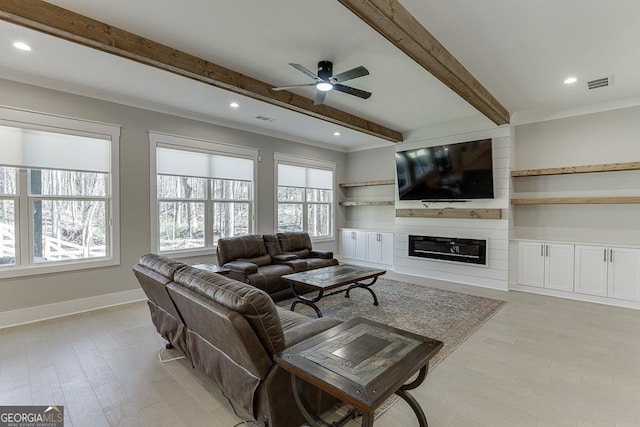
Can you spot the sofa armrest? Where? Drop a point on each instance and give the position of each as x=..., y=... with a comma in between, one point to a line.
x=243, y=267
x=315, y=253
x=306, y=330
x=283, y=257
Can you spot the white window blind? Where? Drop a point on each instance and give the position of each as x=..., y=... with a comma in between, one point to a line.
x=203, y=165
x=298, y=176
x=47, y=150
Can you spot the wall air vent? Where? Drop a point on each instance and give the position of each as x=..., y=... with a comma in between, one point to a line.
x=602, y=82
x=265, y=119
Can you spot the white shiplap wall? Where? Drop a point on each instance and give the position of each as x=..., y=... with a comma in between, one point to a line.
x=496, y=273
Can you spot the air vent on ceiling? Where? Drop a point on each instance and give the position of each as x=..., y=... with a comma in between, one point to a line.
x=265, y=119
x=602, y=82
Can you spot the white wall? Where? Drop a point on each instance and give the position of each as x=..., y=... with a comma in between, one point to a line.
x=606, y=137
x=84, y=286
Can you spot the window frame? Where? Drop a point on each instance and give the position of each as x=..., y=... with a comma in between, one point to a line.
x=24, y=222
x=164, y=140
x=286, y=159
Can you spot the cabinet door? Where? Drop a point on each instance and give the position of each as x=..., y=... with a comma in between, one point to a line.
x=624, y=273
x=531, y=264
x=380, y=248
x=591, y=270
x=374, y=247
x=558, y=266
x=347, y=243
x=386, y=250
x=360, y=245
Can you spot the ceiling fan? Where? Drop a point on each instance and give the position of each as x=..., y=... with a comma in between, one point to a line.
x=326, y=81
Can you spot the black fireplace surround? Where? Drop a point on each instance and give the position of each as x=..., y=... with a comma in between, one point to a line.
x=468, y=251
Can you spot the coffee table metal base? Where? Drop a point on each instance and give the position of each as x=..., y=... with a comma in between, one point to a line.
x=301, y=299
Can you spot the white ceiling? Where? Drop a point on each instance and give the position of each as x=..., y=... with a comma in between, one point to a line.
x=521, y=51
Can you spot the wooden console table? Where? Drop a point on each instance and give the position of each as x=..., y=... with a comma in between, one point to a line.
x=362, y=363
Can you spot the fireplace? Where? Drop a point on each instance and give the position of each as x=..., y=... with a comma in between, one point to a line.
x=468, y=251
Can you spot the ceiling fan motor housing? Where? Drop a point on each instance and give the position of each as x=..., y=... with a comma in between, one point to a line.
x=325, y=70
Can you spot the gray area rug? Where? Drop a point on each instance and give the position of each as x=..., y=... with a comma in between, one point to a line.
x=450, y=317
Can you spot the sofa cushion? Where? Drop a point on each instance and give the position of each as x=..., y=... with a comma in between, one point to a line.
x=313, y=263
x=297, y=327
x=254, y=304
x=294, y=241
x=259, y=261
x=268, y=277
x=302, y=254
x=232, y=248
x=272, y=244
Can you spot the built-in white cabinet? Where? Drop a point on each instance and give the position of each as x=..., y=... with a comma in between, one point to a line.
x=367, y=246
x=546, y=265
x=608, y=271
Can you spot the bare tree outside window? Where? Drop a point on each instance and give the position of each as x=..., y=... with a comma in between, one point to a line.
x=305, y=209
x=185, y=203
x=69, y=212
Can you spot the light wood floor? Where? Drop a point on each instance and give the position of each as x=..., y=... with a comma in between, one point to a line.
x=539, y=361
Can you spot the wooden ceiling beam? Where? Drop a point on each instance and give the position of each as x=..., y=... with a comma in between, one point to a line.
x=396, y=24
x=59, y=22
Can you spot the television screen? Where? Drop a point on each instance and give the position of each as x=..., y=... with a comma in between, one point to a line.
x=446, y=172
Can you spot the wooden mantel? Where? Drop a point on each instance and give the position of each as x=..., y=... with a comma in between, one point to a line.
x=450, y=213
x=50, y=19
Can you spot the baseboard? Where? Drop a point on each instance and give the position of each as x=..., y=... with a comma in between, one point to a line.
x=575, y=296
x=65, y=308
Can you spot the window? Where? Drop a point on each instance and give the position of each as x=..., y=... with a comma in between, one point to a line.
x=203, y=191
x=305, y=196
x=56, y=194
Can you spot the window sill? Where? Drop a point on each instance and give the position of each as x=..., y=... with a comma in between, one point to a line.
x=189, y=253
x=48, y=268
x=323, y=239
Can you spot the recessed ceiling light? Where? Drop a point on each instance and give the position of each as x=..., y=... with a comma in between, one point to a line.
x=336, y=134
x=570, y=80
x=234, y=105
x=22, y=46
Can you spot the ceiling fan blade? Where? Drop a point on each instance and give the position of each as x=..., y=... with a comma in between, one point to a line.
x=353, y=73
x=320, y=96
x=352, y=91
x=292, y=86
x=305, y=71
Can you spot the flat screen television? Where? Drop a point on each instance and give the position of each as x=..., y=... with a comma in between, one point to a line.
x=453, y=172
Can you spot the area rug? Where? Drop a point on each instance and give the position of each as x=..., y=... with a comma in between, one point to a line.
x=450, y=317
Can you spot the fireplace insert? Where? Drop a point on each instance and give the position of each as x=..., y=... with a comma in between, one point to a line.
x=469, y=251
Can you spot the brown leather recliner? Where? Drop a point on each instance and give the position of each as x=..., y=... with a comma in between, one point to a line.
x=299, y=244
x=154, y=272
x=249, y=262
x=261, y=260
x=232, y=331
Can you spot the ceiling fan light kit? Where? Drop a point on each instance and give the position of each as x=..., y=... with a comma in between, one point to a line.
x=325, y=81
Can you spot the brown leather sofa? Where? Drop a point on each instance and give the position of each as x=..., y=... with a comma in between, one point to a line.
x=261, y=260
x=230, y=332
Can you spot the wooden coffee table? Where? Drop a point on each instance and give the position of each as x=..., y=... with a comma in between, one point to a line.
x=362, y=363
x=327, y=278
